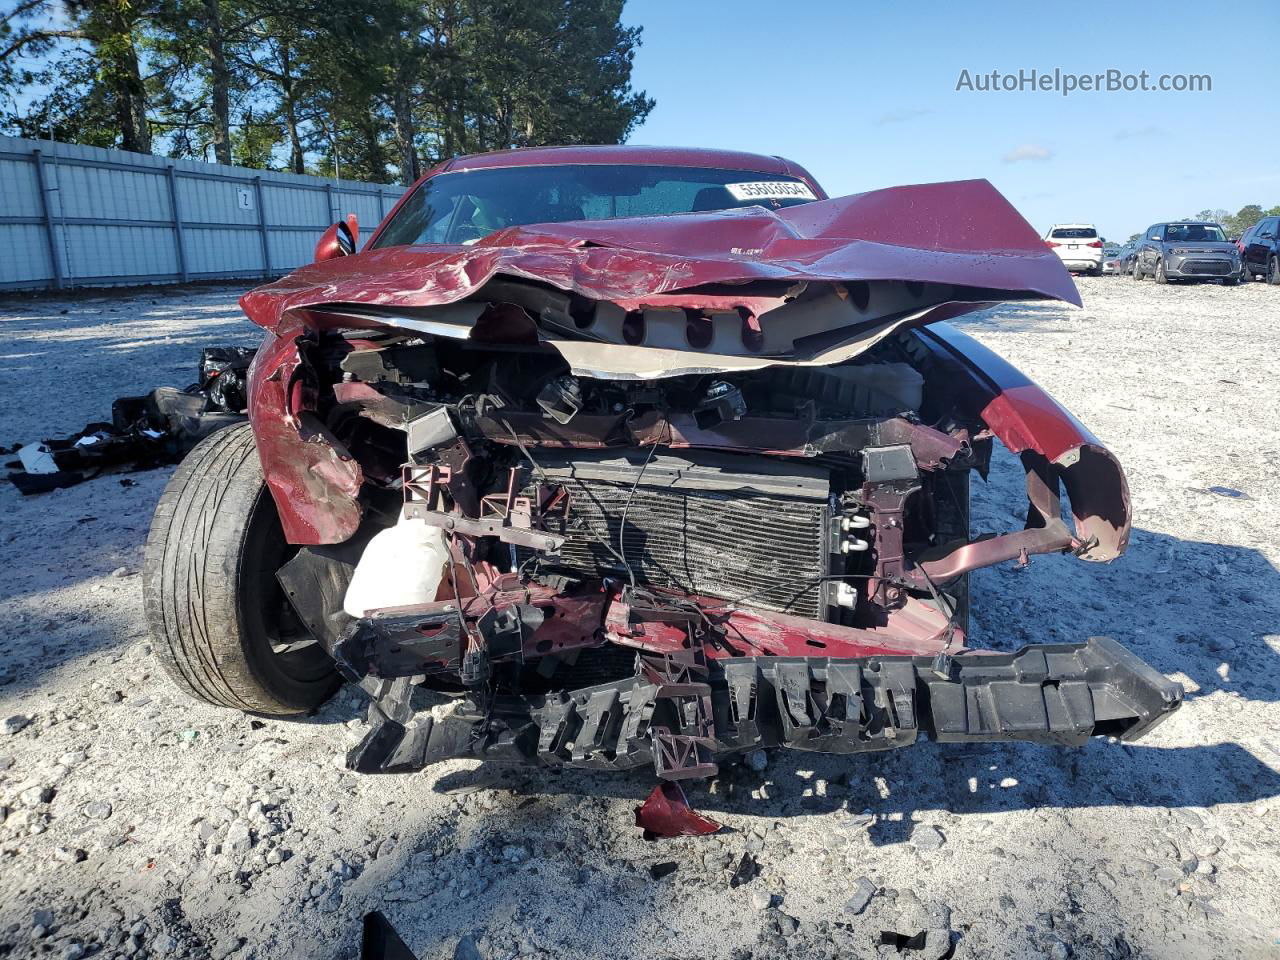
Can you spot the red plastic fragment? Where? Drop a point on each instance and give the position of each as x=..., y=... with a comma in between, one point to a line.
x=666, y=813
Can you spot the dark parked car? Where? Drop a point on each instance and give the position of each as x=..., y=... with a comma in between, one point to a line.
x=1260, y=250
x=639, y=456
x=1186, y=250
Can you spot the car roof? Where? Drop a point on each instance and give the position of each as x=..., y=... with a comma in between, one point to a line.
x=626, y=154
x=1059, y=226
x=1192, y=223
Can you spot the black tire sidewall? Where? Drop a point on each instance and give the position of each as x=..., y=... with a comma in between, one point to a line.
x=211, y=598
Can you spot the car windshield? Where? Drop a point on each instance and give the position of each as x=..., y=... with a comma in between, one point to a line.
x=463, y=207
x=1192, y=232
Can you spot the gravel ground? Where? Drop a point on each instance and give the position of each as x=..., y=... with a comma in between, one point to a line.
x=139, y=823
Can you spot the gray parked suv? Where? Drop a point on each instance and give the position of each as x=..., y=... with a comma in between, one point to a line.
x=1187, y=250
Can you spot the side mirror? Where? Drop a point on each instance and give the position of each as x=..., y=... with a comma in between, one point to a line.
x=339, y=240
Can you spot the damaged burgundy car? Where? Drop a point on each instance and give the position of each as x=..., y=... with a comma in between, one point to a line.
x=648, y=457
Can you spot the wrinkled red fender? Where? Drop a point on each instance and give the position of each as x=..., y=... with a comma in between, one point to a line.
x=1025, y=418
x=313, y=480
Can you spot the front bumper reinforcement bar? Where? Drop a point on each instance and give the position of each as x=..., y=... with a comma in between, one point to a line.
x=1059, y=694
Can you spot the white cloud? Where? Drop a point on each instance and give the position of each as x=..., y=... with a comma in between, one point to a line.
x=1028, y=151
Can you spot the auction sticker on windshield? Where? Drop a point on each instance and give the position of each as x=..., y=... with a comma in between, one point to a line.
x=770, y=190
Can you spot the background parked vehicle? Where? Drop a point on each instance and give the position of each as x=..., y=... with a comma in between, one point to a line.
x=1260, y=251
x=1119, y=261
x=1077, y=245
x=1187, y=250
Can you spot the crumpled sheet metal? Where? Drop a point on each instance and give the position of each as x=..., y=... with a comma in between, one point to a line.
x=962, y=233
x=666, y=813
x=1025, y=418
x=315, y=486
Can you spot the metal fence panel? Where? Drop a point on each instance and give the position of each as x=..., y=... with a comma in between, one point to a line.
x=26, y=257
x=237, y=251
x=72, y=215
x=18, y=188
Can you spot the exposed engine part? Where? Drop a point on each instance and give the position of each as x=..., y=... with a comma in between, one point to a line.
x=561, y=399
x=723, y=401
x=402, y=565
x=430, y=431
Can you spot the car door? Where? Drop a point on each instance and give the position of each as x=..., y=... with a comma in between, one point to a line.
x=1261, y=242
x=1248, y=239
x=1149, y=252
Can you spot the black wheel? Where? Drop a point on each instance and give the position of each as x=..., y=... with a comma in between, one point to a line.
x=221, y=625
x=1159, y=275
x=1137, y=269
x=1273, y=270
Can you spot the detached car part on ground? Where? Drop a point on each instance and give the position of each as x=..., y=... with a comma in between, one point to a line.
x=642, y=491
x=144, y=432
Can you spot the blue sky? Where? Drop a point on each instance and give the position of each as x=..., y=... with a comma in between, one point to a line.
x=864, y=95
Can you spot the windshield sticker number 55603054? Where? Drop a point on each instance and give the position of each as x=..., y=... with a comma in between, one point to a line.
x=770, y=190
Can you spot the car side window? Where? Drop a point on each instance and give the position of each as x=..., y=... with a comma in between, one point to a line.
x=1268, y=228
x=1154, y=233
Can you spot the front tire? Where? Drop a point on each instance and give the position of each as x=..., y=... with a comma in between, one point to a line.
x=1273, y=270
x=1137, y=270
x=221, y=625
x=1159, y=276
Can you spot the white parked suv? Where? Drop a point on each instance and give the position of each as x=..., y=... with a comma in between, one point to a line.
x=1079, y=246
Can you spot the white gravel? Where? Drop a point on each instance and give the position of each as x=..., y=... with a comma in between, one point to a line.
x=139, y=823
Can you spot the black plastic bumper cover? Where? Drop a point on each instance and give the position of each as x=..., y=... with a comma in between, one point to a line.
x=1044, y=693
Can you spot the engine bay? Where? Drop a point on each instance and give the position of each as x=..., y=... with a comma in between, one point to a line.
x=792, y=490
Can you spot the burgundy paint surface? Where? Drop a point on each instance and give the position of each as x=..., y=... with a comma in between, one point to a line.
x=1021, y=414
x=961, y=233
x=666, y=813
x=315, y=488
x=1026, y=418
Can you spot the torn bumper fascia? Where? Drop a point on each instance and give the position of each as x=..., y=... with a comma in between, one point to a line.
x=1059, y=694
x=1055, y=447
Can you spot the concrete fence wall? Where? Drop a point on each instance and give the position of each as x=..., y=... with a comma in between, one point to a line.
x=74, y=216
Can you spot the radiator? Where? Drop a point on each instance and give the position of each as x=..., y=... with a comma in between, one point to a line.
x=748, y=530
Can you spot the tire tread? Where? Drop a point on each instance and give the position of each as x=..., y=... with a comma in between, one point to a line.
x=191, y=577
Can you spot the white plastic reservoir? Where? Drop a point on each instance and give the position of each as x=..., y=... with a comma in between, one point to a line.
x=402, y=565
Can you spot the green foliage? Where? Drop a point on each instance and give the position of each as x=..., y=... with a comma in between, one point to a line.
x=367, y=89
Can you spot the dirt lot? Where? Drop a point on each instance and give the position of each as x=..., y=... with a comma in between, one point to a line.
x=139, y=823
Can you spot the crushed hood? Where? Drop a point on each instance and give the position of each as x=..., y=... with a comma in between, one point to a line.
x=918, y=253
